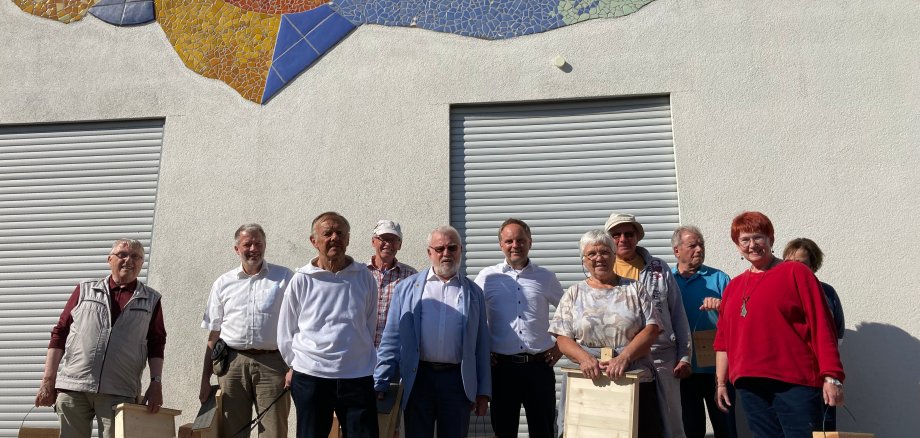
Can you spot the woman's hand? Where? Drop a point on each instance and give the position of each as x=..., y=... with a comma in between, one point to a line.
x=590, y=367
x=722, y=400
x=833, y=394
x=616, y=367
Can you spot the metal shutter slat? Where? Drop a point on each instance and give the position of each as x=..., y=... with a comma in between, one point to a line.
x=66, y=192
x=563, y=168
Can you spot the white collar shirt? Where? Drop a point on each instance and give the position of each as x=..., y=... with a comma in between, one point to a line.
x=441, y=320
x=517, y=305
x=327, y=323
x=244, y=308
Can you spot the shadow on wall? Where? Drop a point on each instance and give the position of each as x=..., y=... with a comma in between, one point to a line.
x=883, y=381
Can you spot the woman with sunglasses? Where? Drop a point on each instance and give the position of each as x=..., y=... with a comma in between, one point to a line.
x=775, y=339
x=605, y=310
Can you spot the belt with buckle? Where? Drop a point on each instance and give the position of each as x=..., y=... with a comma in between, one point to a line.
x=439, y=366
x=521, y=358
x=256, y=351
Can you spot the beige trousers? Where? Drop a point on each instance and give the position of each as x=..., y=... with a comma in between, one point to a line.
x=254, y=380
x=78, y=409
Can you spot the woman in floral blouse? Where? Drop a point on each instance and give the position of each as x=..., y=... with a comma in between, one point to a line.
x=608, y=311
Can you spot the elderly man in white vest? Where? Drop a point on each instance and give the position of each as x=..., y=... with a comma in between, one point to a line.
x=109, y=329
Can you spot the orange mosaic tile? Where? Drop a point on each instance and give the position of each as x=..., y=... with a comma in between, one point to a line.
x=277, y=6
x=64, y=11
x=222, y=41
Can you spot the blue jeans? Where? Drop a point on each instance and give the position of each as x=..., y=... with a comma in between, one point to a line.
x=353, y=401
x=437, y=398
x=779, y=409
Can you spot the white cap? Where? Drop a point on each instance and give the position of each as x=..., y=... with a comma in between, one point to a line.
x=387, y=227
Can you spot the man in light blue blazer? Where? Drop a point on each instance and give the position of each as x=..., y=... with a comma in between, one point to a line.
x=437, y=340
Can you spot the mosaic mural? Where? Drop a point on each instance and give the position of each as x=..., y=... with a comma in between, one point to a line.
x=259, y=46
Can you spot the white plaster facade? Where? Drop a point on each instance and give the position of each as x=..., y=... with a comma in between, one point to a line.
x=807, y=111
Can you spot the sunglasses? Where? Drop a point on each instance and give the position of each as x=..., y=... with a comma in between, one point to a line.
x=440, y=249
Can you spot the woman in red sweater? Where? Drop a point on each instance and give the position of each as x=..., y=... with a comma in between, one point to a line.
x=776, y=340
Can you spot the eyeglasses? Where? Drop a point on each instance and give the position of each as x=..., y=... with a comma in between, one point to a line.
x=391, y=240
x=598, y=255
x=625, y=234
x=747, y=241
x=440, y=249
x=127, y=255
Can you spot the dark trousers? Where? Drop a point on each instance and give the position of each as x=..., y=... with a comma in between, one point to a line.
x=650, y=418
x=780, y=409
x=698, y=395
x=830, y=417
x=353, y=401
x=437, y=399
x=532, y=385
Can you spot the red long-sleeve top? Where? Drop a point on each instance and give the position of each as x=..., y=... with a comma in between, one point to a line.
x=119, y=297
x=787, y=333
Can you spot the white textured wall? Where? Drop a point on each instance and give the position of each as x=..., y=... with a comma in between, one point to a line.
x=808, y=111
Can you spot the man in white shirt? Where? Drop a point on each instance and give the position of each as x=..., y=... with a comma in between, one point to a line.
x=326, y=334
x=437, y=339
x=518, y=294
x=243, y=311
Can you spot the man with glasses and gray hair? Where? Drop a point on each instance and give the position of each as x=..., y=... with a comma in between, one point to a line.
x=437, y=340
x=104, y=321
x=243, y=310
x=671, y=351
x=387, y=271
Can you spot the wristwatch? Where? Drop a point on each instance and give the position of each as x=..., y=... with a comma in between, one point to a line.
x=158, y=379
x=836, y=382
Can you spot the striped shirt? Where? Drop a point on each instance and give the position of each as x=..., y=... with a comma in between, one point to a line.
x=386, y=283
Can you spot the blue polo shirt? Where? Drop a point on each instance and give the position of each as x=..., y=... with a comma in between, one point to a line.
x=706, y=282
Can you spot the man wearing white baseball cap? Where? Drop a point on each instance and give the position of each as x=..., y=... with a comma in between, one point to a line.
x=387, y=271
x=671, y=351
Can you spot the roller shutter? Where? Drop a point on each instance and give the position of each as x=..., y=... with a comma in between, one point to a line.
x=66, y=192
x=562, y=167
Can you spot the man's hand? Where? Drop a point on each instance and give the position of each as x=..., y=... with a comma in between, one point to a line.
x=480, y=406
x=682, y=370
x=153, y=398
x=288, y=378
x=47, y=394
x=552, y=355
x=722, y=400
x=711, y=303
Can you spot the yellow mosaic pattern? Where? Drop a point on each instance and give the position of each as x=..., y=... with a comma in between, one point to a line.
x=64, y=11
x=221, y=41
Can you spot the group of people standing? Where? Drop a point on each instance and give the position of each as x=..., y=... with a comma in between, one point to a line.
x=338, y=333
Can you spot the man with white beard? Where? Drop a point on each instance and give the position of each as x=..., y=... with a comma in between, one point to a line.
x=437, y=339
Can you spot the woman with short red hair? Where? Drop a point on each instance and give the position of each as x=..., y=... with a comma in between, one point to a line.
x=776, y=340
